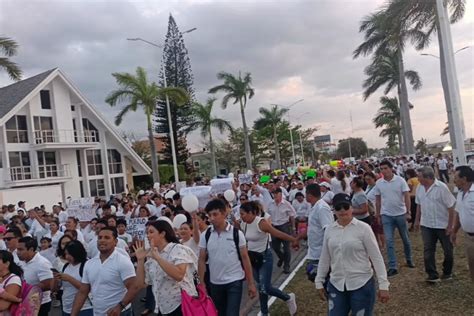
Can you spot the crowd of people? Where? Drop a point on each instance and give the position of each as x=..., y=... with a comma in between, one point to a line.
x=347, y=217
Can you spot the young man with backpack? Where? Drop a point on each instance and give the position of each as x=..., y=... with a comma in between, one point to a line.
x=37, y=271
x=224, y=246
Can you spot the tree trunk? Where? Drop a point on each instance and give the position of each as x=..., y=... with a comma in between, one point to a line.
x=213, y=154
x=248, y=156
x=401, y=139
x=153, y=154
x=277, y=148
x=405, y=108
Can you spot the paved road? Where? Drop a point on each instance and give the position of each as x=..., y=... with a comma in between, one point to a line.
x=248, y=307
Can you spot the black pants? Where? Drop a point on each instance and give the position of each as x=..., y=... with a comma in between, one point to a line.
x=412, y=210
x=44, y=309
x=285, y=254
x=444, y=176
x=430, y=237
x=176, y=312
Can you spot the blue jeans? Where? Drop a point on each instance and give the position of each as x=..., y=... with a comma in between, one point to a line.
x=389, y=224
x=86, y=312
x=263, y=276
x=227, y=297
x=359, y=302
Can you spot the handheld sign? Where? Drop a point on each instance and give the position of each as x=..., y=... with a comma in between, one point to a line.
x=221, y=185
x=136, y=227
x=245, y=178
x=83, y=209
x=202, y=192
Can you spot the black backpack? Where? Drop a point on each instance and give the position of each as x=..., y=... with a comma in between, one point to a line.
x=236, y=240
x=81, y=268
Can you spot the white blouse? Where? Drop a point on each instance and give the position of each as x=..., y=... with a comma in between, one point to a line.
x=166, y=290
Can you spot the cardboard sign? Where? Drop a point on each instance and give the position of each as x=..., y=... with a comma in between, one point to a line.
x=136, y=227
x=221, y=185
x=83, y=209
x=245, y=178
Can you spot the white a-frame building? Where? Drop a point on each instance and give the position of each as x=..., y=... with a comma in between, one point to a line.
x=54, y=144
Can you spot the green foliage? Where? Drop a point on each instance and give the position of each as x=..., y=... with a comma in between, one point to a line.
x=167, y=173
x=9, y=48
x=388, y=118
x=422, y=146
x=358, y=148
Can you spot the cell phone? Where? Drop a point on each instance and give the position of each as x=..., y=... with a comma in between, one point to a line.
x=54, y=270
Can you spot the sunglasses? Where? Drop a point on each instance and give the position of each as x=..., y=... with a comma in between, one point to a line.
x=8, y=238
x=343, y=206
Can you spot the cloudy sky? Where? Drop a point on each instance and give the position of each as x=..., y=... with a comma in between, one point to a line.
x=294, y=50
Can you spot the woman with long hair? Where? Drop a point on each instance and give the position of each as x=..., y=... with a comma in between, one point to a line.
x=10, y=282
x=370, y=178
x=258, y=232
x=360, y=206
x=71, y=276
x=413, y=183
x=169, y=268
x=340, y=184
x=54, y=233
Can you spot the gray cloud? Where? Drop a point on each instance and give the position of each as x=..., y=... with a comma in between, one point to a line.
x=294, y=50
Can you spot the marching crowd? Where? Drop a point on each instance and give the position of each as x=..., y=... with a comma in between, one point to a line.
x=347, y=216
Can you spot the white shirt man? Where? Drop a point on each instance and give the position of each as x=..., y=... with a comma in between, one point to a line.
x=392, y=195
x=320, y=217
x=434, y=203
x=281, y=212
x=442, y=164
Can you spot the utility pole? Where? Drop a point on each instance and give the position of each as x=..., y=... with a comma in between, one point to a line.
x=451, y=86
x=352, y=132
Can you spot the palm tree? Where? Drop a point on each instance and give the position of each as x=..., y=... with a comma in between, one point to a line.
x=385, y=31
x=388, y=117
x=272, y=119
x=239, y=90
x=9, y=47
x=136, y=91
x=204, y=121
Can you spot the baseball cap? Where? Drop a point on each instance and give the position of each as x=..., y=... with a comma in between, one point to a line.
x=341, y=199
x=325, y=184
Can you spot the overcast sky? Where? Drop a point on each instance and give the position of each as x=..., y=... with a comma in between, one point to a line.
x=293, y=49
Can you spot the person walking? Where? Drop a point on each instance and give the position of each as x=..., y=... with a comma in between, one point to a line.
x=360, y=205
x=464, y=218
x=283, y=218
x=392, y=202
x=435, y=215
x=350, y=255
x=258, y=231
x=413, y=183
x=443, y=172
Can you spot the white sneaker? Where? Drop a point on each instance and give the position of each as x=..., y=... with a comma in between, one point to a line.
x=292, y=304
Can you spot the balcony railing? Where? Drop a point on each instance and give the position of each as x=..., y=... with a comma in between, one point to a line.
x=66, y=136
x=44, y=172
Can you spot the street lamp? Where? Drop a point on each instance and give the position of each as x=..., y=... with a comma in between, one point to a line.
x=288, y=107
x=435, y=56
x=301, y=141
x=170, y=125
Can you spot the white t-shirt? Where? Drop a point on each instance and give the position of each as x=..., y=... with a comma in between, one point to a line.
x=191, y=243
x=336, y=186
x=36, y=270
x=126, y=237
x=392, y=194
x=12, y=279
x=55, y=238
x=257, y=240
x=69, y=291
x=442, y=164
x=107, y=280
x=327, y=196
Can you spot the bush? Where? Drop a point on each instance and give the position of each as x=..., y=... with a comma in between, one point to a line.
x=167, y=174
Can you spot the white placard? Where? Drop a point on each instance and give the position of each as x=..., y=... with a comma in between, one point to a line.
x=83, y=209
x=136, y=227
x=202, y=192
x=221, y=185
x=245, y=178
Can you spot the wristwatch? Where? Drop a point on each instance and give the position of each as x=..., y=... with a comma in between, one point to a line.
x=122, y=305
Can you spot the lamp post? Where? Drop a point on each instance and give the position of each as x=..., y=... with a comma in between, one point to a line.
x=435, y=56
x=170, y=125
x=288, y=107
x=301, y=140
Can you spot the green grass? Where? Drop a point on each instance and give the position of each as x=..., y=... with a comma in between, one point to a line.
x=410, y=294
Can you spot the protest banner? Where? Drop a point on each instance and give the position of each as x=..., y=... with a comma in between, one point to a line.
x=245, y=178
x=83, y=209
x=136, y=227
x=202, y=192
x=221, y=185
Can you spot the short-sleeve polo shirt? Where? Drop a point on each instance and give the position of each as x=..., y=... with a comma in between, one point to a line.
x=36, y=270
x=392, y=194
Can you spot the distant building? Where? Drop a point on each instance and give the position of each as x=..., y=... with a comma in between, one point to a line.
x=55, y=144
x=322, y=143
x=202, y=163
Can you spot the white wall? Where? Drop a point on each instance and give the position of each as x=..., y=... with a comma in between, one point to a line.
x=34, y=196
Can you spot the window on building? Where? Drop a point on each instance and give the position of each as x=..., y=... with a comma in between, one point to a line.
x=1, y=160
x=117, y=185
x=115, y=161
x=94, y=162
x=196, y=164
x=17, y=129
x=47, y=164
x=43, y=129
x=73, y=108
x=19, y=165
x=97, y=187
x=79, y=165
x=45, y=99
x=91, y=133
x=81, y=188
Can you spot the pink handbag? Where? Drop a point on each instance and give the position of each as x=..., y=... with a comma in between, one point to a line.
x=197, y=306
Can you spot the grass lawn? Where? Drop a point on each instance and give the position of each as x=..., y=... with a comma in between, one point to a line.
x=410, y=294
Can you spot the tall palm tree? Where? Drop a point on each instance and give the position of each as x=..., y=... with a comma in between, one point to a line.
x=385, y=31
x=204, y=121
x=271, y=118
x=9, y=48
x=388, y=117
x=239, y=90
x=136, y=91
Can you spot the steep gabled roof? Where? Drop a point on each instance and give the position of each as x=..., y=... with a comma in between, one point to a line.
x=12, y=95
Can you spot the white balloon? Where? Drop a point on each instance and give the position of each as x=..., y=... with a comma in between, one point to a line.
x=231, y=175
x=229, y=195
x=249, y=172
x=170, y=194
x=179, y=220
x=190, y=203
x=156, y=186
x=141, y=192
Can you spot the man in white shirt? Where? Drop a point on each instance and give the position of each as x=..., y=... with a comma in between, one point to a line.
x=37, y=271
x=283, y=218
x=464, y=216
x=435, y=215
x=442, y=163
x=299, y=188
x=157, y=208
x=109, y=277
x=392, y=200
x=11, y=238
